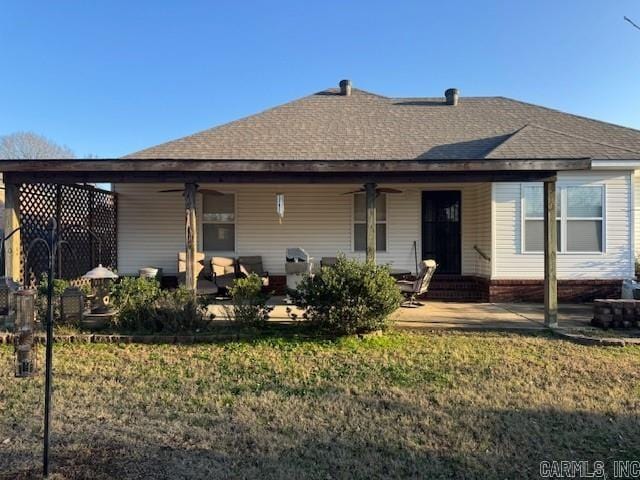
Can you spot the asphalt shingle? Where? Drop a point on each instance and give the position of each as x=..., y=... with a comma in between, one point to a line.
x=365, y=126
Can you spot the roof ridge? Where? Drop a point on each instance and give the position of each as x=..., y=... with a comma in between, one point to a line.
x=581, y=117
x=225, y=124
x=509, y=137
x=559, y=132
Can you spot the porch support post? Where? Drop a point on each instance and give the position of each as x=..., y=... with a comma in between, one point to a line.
x=11, y=222
x=550, y=253
x=190, y=236
x=370, y=192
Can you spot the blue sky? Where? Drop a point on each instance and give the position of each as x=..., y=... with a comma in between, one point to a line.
x=108, y=78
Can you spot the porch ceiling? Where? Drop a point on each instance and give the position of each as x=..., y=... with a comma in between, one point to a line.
x=286, y=171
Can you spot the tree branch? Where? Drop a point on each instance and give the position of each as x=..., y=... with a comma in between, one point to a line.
x=632, y=22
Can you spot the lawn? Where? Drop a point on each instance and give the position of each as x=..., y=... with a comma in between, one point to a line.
x=449, y=405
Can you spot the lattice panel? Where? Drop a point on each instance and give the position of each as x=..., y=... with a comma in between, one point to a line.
x=77, y=209
x=105, y=226
x=38, y=204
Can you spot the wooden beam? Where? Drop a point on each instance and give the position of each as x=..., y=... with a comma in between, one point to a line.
x=11, y=222
x=300, y=166
x=284, y=177
x=370, y=194
x=550, y=254
x=191, y=236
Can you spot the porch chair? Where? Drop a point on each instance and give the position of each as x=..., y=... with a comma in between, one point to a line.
x=224, y=272
x=253, y=264
x=204, y=286
x=328, y=261
x=413, y=288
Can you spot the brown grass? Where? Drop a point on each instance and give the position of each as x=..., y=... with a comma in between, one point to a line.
x=402, y=405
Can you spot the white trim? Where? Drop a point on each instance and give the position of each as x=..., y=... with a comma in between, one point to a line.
x=494, y=248
x=564, y=219
x=201, y=223
x=615, y=164
x=632, y=217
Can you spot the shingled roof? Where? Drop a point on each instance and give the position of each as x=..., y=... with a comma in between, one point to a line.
x=364, y=126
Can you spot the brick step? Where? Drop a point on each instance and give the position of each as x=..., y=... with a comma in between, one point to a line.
x=452, y=295
x=453, y=286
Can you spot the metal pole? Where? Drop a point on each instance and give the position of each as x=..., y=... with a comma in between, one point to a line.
x=49, y=349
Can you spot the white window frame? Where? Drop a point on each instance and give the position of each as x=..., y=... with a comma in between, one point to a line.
x=354, y=222
x=564, y=218
x=202, y=222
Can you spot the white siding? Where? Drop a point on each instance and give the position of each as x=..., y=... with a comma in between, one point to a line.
x=636, y=212
x=317, y=218
x=511, y=263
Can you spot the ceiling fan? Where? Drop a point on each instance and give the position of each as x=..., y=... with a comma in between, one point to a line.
x=378, y=191
x=208, y=191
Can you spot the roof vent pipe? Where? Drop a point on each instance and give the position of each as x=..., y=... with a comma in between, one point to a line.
x=451, y=96
x=345, y=87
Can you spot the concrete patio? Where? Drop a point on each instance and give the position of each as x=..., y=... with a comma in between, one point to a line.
x=458, y=315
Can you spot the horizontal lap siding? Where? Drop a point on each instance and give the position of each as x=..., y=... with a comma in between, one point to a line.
x=317, y=218
x=511, y=263
x=636, y=192
x=150, y=227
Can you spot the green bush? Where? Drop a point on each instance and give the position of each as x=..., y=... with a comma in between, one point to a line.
x=142, y=306
x=248, y=302
x=350, y=297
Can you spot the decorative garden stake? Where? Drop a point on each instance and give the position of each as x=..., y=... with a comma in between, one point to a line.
x=52, y=241
x=24, y=344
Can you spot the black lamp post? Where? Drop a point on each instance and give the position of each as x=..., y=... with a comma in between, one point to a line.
x=52, y=241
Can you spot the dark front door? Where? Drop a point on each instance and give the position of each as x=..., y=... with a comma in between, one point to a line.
x=441, y=234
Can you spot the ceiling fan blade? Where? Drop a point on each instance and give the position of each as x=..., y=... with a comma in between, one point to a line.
x=210, y=191
x=388, y=190
x=171, y=190
x=355, y=191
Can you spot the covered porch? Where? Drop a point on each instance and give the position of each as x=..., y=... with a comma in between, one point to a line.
x=456, y=315
x=371, y=177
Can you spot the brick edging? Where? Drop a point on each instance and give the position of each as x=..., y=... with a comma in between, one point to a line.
x=594, y=341
x=7, y=338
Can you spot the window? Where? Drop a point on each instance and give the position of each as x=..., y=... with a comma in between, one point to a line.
x=584, y=219
x=360, y=222
x=534, y=219
x=580, y=215
x=218, y=222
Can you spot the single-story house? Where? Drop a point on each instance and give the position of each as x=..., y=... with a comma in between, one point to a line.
x=512, y=200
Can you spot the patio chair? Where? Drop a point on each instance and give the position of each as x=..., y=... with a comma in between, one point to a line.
x=224, y=272
x=328, y=261
x=253, y=264
x=413, y=288
x=204, y=285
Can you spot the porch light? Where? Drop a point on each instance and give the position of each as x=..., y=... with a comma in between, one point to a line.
x=101, y=275
x=72, y=305
x=25, y=354
x=280, y=206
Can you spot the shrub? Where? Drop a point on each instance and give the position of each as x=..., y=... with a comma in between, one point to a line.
x=143, y=306
x=349, y=297
x=248, y=302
